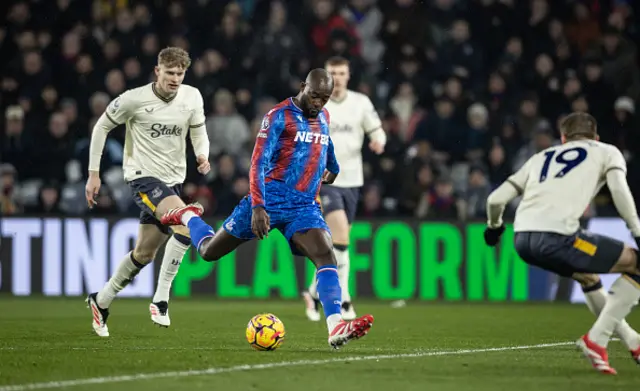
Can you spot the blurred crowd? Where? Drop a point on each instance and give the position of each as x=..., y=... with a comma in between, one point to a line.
x=467, y=90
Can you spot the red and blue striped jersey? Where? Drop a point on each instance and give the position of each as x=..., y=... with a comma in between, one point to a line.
x=292, y=149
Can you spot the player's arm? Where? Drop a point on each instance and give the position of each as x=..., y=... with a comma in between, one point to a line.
x=332, y=168
x=504, y=194
x=616, y=176
x=332, y=163
x=498, y=200
x=373, y=128
x=266, y=144
x=198, y=135
x=117, y=113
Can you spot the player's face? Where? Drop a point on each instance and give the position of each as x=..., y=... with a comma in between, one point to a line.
x=314, y=98
x=341, y=77
x=169, y=79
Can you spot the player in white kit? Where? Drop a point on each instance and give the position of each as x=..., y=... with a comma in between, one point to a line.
x=352, y=117
x=158, y=116
x=557, y=185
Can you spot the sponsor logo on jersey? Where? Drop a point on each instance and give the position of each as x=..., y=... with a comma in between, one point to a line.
x=337, y=128
x=312, y=138
x=158, y=130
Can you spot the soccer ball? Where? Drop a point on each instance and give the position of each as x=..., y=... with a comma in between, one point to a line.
x=265, y=332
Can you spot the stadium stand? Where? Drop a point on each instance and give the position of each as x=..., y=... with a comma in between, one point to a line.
x=468, y=90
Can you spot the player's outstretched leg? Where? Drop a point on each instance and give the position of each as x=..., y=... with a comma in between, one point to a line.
x=596, y=298
x=210, y=245
x=316, y=245
x=149, y=240
x=625, y=293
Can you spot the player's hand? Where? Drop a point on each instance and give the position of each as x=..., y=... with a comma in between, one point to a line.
x=328, y=177
x=92, y=189
x=377, y=147
x=203, y=164
x=260, y=222
x=492, y=235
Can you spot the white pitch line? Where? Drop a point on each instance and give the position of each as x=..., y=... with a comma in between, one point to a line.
x=252, y=367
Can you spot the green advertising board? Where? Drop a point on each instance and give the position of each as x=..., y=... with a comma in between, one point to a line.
x=389, y=260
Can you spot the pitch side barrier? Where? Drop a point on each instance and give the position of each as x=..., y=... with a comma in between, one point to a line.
x=390, y=260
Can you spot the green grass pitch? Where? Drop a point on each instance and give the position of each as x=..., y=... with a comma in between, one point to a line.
x=424, y=346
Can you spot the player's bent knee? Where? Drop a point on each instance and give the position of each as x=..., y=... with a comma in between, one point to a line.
x=627, y=262
x=587, y=280
x=339, y=226
x=323, y=255
x=168, y=203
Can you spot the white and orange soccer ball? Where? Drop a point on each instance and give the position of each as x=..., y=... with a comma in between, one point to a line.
x=265, y=332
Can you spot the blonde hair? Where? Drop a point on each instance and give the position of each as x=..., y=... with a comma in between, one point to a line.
x=336, y=61
x=174, y=57
x=579, y=125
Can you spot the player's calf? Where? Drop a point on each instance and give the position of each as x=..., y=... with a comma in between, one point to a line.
x=316, y=245
x=210, y=245
x=174, y=252
x=596, y=298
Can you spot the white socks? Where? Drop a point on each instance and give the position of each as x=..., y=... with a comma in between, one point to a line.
x=342, y=258
x=595, y=301
x=173, y=253
x=313, y=288
x=186, y=216
x=125, y=273
x=624, y=295
x=332, y=321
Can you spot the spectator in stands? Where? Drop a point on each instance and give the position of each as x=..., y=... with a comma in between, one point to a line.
x=228, y=130
x=48, y=201
x=475, y=198
x=9, y=204
x=457, y=83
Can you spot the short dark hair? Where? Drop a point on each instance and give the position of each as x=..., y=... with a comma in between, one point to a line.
x=579, y=125
x=336, y=60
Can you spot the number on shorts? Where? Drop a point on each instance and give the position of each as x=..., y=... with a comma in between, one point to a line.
x=566, y=158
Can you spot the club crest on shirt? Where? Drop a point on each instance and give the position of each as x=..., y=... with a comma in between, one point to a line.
x=115, y=105
x=265, y=123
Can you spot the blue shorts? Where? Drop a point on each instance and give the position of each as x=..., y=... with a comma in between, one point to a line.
x=289, y=212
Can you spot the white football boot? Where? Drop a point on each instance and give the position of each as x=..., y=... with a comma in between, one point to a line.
x=99, y=316
x=160, y=313
x=347, y=311
x=312, y=306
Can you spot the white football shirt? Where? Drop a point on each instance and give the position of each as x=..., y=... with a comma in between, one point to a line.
x=559, y=183
x=351, y=118
x=155, y=141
